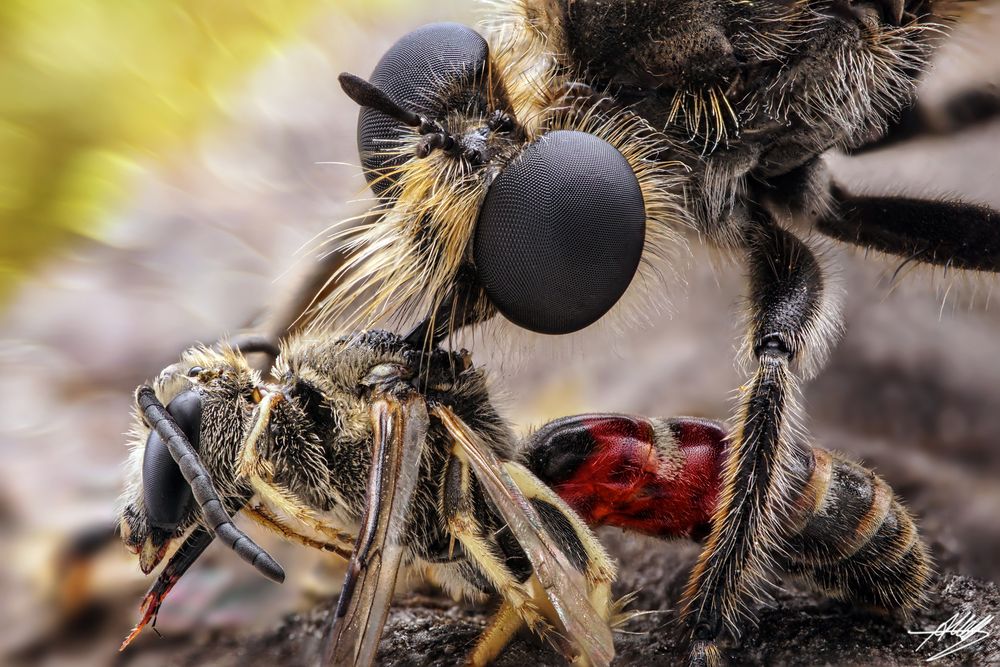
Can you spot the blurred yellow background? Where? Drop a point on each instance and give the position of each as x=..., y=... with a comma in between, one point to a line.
x=94, y=91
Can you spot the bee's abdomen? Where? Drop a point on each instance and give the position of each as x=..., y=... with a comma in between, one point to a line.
x=850, y=538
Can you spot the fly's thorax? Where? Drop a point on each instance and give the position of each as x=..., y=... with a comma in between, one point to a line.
x=789, y=79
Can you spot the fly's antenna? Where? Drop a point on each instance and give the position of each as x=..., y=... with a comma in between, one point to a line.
x=216, y=517
x=367, y=94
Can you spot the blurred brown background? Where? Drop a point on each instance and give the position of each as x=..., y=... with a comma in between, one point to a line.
x=209, y=231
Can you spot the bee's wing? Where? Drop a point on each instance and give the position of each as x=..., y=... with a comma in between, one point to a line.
x=400, y=428
x=564, y=585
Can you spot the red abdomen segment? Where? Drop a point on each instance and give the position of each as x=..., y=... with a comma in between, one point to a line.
x=654, y=476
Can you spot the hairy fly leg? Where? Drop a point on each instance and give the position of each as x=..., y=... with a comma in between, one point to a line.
x=944, y=233
x=790, y=327
x=962, y=111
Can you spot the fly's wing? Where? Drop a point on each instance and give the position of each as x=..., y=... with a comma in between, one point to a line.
x=565, y=586
x=400, y=427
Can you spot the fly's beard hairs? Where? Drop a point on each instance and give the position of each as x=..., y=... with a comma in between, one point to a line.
x=405, y=263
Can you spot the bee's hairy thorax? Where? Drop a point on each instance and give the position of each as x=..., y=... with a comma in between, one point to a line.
x=321, y=439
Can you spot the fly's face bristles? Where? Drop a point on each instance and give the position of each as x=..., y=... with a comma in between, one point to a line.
x=410, y=256
x=405, y=264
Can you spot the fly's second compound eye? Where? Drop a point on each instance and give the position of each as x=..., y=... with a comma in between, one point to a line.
x=561, y=233
x=427, y=71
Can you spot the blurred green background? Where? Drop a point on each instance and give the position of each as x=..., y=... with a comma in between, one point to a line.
x=95, y=92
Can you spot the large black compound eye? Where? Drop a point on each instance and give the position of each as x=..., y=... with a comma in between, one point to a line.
x=561, y=233
x=165, y=493
x=425, y=72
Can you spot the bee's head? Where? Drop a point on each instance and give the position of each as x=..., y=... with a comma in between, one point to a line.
x=487, y=167
x=210, y=395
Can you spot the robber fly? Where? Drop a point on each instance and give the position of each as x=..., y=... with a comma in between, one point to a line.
x=549, y=170
x=380, y=452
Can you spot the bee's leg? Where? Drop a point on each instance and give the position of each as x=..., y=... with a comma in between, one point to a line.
x=515, y=594
x=573, y=537
x=790, y=321
x=498, y=633
x=600, y=571
x=340, y=544
x=259, y=472
x=285, y=502
x=518, y=604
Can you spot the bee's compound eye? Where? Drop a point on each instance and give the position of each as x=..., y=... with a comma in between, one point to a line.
x=166, y=494
x=426, y=72
x=561, y=233
x=195, y=371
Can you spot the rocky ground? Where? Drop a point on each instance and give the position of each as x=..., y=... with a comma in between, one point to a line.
x=795, y=628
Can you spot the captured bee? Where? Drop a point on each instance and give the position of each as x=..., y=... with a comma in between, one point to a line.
x=381, y=452
x=378, y=451
x=550, y=171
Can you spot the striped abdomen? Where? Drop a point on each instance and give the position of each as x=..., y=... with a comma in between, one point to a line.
x=851, y=538
x=847, y=535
